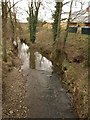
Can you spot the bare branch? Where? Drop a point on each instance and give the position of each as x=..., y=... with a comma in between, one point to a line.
x=66, y=3
x=13, y=5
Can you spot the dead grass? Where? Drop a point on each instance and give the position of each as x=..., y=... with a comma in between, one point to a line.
x=76, y=80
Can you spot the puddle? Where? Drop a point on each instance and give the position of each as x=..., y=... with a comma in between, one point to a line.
x=38, y=61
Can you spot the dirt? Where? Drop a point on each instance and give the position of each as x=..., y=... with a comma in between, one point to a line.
x=13, y=85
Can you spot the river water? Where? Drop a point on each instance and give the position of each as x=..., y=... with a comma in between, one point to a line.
x=41, y=62
x=45, y=97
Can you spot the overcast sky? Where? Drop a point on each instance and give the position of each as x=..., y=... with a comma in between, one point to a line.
x=45, y=12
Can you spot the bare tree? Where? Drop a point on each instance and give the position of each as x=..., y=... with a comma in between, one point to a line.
x=6, y=14
x=13, y=22
x=68, y=21
x=57, y=22
x=4, y=29
x=57, y=51
x=33, y=18
x=59, y=27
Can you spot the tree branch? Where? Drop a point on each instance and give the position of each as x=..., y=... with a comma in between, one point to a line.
x=13, y=6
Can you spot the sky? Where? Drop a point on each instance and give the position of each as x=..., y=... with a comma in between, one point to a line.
x=46, y=10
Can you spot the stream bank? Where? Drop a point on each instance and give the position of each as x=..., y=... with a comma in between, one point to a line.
x=31, y=81
x=75, y=82
x=76, y=76
x=13, y=90
x=29, y=92
x=45, y=96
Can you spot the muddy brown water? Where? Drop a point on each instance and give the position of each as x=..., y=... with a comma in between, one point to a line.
x=45, y=97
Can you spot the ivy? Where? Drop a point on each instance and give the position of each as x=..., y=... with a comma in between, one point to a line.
x=55, y=23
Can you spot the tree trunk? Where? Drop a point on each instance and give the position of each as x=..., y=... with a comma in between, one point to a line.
x=13, y=29
x=32, y=59
x=58, y=55
x=58, y=42
x=33, y=18
x=66, y=34
x=4, y=29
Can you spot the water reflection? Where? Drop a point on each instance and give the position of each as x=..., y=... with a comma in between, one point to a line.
x=24, y=55
x=42, y=63
x=33, y=59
